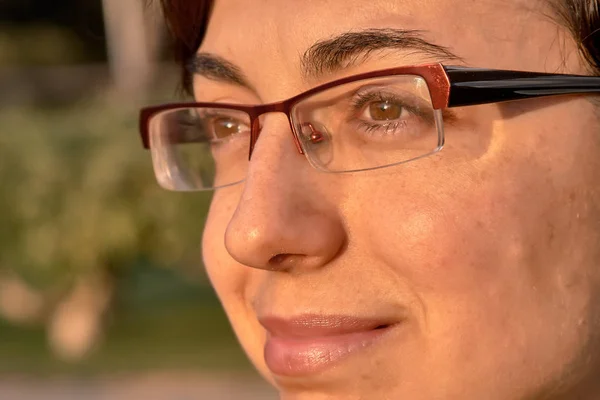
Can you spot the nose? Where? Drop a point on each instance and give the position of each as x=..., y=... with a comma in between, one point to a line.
x=285, y=219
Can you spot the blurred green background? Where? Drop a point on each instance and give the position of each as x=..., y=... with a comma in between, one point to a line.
x=100, y=269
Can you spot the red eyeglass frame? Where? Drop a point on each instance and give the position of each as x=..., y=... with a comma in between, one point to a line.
x=449, y=86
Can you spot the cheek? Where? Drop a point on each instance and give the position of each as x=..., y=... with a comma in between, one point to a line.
x=520, y=200
x=453, y=240
x=233, y=283
x=229, y=279
x=213, y=249
x=499, y=250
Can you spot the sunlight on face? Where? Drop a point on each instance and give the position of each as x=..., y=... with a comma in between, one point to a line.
x=468, y=274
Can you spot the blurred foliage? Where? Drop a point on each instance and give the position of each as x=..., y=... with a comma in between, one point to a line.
x=31, y=32
x=160, y=322
x=79, y=203
x=40, y=45
x=78, y=196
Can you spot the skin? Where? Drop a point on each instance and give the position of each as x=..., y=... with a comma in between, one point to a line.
x=487, y=250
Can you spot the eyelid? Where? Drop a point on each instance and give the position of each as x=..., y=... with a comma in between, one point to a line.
x=412, y=103
x=220, y=100
x=226, y=100
x=208, y=91
x=384, y=93
x=220, y=113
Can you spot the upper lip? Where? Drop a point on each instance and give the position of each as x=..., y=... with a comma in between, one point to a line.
x=313, y=325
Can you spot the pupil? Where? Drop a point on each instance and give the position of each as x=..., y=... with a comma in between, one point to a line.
x=385, y=111
x=225, y=127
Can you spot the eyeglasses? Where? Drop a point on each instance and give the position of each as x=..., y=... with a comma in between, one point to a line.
x=359, y=123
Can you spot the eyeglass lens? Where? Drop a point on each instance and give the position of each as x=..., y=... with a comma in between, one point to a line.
x=361, y=125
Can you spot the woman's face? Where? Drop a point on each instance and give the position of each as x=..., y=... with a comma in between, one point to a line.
x=469, y=274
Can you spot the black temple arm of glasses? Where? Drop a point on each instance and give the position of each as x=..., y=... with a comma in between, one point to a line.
x=472, y=86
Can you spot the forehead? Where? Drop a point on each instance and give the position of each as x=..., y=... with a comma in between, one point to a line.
x=263, y=35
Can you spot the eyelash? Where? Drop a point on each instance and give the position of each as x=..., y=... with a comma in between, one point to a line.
x=374, y=128
x=362, y=99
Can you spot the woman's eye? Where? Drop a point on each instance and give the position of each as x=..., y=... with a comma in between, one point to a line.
x=396, y=115
x=383, y=111
x=224, y=127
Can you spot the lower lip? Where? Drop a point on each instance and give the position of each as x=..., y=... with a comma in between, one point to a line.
x=305, y=356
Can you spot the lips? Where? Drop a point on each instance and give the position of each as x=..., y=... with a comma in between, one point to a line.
x=313, y=343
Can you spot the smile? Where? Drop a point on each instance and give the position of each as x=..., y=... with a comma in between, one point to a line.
x=313, y=343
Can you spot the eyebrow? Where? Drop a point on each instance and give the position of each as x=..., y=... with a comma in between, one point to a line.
x=330, y=55
x=214, y=67
x=345, y=50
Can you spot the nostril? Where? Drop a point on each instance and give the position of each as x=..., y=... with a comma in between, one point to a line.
x=282, y=261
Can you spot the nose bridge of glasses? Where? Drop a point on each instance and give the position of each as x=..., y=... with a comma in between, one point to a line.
x=256, y=125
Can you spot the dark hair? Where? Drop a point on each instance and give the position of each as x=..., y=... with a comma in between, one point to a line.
x=188, y=19
x=582, y=18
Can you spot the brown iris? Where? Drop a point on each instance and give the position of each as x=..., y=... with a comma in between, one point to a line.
x=224, y=127
x=384, y=111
